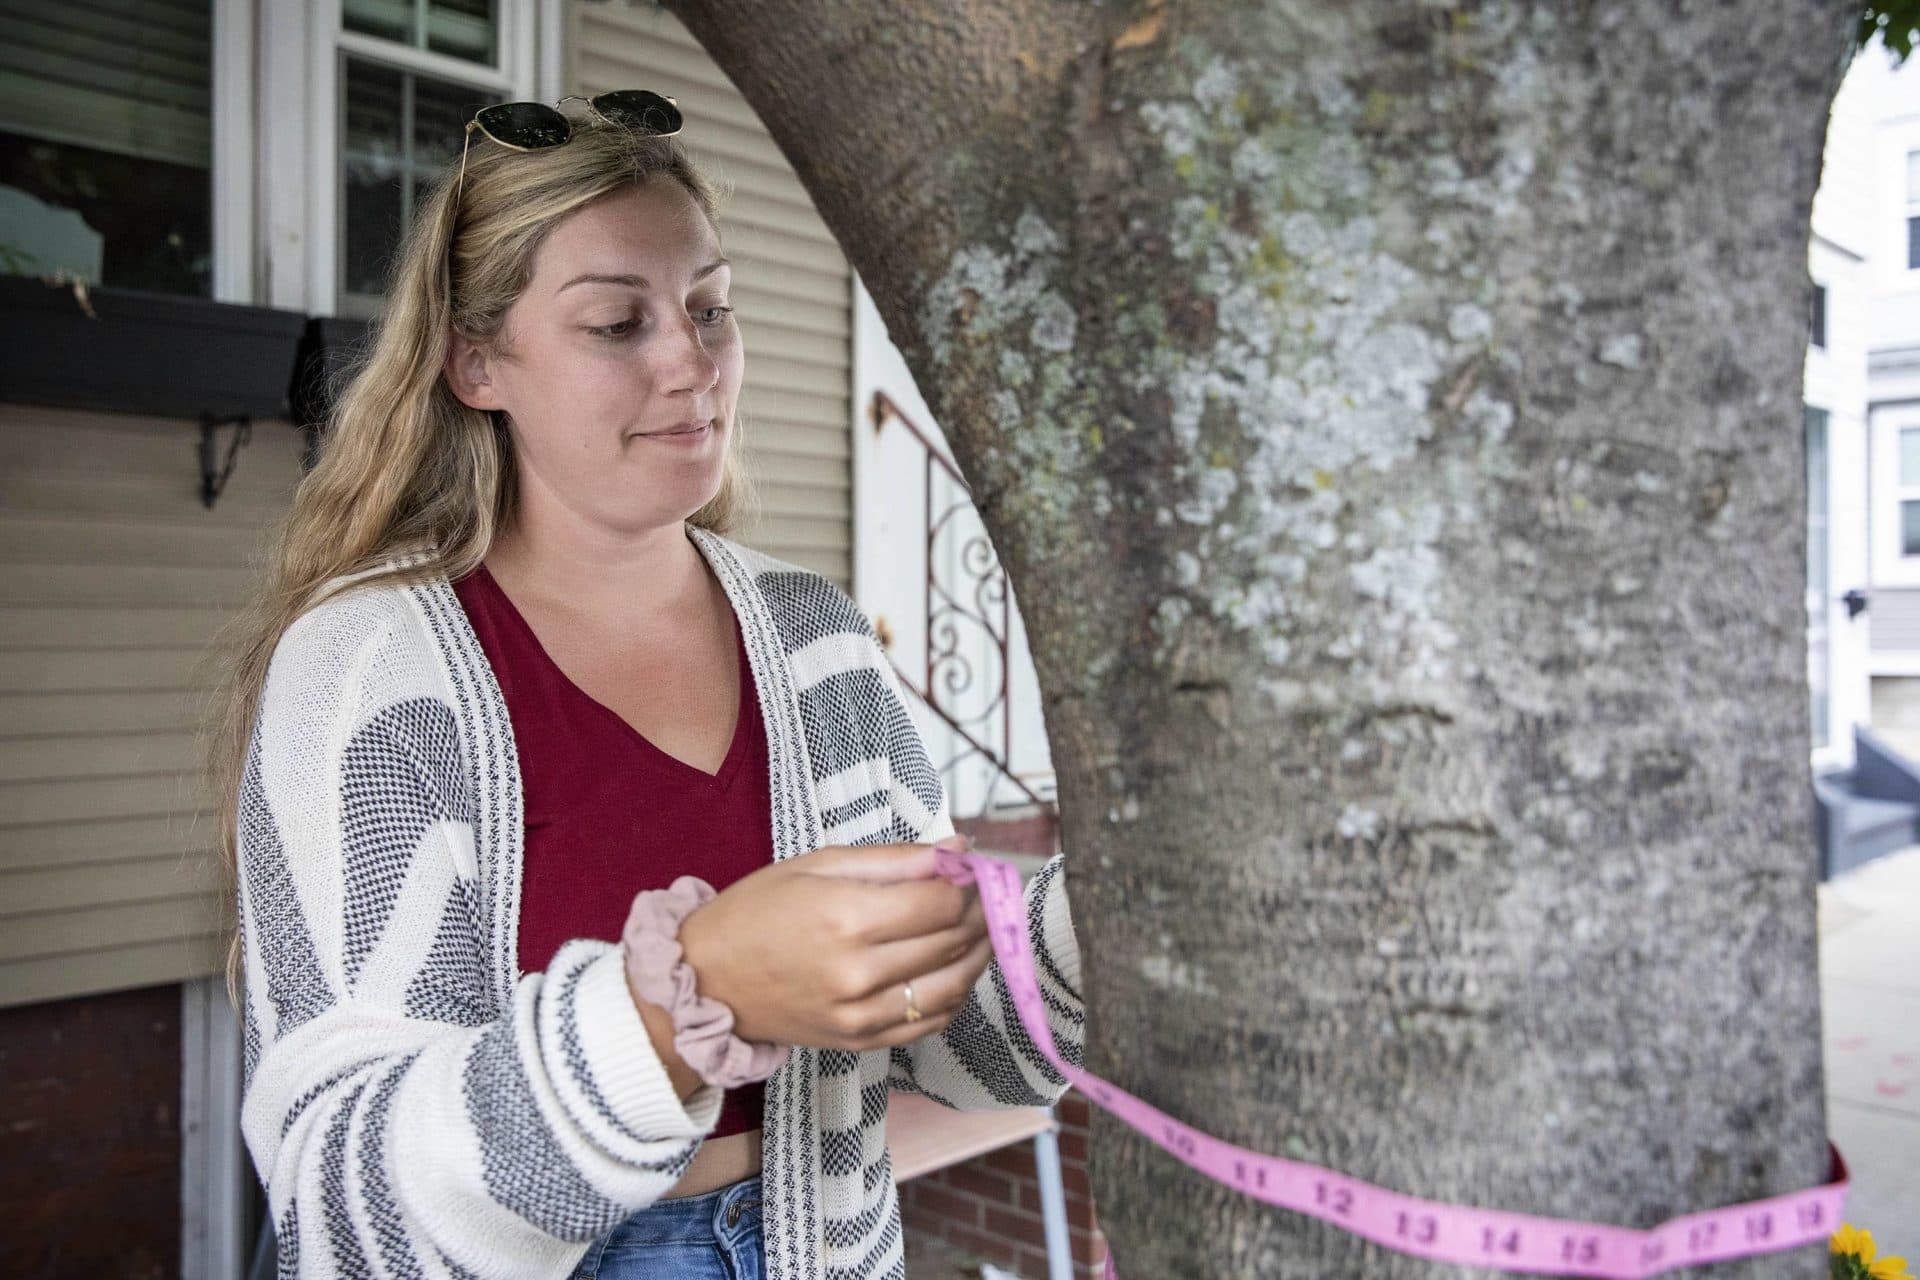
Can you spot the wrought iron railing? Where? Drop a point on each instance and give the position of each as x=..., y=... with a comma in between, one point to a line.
x=976, y=599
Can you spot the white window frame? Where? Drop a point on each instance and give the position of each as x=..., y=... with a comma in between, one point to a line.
x=233, y=174
x=303, y=56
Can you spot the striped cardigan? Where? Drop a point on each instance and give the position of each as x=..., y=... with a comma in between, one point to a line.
x=414, y=1104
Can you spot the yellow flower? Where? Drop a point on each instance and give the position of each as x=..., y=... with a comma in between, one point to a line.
x=1859, y=1243
x=1851, y=1239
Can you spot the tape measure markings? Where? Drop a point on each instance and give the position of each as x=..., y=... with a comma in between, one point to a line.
x=1489, y=1238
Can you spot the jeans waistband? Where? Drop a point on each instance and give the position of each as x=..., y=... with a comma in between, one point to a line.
x=722, y=1212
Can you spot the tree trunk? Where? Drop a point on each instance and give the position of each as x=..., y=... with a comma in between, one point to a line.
x=1389, y=418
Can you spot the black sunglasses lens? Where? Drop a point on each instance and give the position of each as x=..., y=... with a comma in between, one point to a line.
x=639, y=109
x=525, y=124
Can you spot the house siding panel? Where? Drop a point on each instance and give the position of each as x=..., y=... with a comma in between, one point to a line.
x=1893, y=619
x=114, y=579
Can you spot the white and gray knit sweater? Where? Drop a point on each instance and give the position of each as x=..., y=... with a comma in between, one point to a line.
x=415, y=1105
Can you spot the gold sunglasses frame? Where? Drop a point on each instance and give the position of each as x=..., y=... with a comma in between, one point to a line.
x=474, y=123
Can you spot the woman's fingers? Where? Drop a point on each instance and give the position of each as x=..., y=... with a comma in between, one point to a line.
x=910, y=959
x=938, y=991
x=890, y=919
x=909, y=909
x=878, y=863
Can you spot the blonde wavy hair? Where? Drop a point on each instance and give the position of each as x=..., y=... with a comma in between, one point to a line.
x=404, y=466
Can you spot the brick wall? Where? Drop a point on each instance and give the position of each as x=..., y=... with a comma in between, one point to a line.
x=90, y=1137
x=989, y=1207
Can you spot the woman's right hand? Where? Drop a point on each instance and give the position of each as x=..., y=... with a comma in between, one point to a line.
x=812, y=950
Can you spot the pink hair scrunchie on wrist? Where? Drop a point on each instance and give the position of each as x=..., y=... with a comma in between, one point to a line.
x=703, y=1026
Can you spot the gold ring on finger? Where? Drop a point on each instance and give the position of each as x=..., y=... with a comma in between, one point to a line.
x=913, y=1010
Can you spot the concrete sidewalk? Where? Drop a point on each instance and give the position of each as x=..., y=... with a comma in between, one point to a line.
x=1870, y=1008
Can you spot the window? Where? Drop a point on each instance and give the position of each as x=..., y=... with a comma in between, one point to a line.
x=1893, y=506
x=460, y=30
x=1913, y=210
x=106, y=144
x=404, y=102
x=1819, y=644
x=1909, y=481
x=401, y=127
x=1819, y=338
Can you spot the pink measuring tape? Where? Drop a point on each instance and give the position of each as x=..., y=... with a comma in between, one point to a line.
x=1424, y=1228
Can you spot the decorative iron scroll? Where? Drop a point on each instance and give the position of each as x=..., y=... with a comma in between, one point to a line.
x=973, y=600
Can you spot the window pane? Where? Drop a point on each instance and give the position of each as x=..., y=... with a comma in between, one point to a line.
x=106, y=144
x=1910, y=455
x=1913, y=243
x=1819, y=338
x=1910, y=528
x=400, y=130
x=1913, y=177
x=458, y=28
x=440, y=115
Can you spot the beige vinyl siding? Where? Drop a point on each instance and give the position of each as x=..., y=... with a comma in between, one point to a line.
x=792, y=289
x=113, y=580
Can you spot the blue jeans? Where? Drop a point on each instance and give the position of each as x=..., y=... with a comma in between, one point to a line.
x=715, y=1236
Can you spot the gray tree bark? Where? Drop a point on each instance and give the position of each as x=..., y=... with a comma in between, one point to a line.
x=1388, y=415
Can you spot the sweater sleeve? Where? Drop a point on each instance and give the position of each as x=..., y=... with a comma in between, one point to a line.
x=402, y=1122
x=983, y=1059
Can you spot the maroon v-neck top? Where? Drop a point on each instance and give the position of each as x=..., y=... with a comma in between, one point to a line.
x=607, y=812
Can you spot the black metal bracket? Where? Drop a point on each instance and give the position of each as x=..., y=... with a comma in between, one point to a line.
x=1855, y=600
x=213, y=473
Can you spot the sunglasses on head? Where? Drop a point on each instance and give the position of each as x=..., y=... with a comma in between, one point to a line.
x=529, y=126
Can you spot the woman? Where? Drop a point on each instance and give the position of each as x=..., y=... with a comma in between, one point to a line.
x=506, y=680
